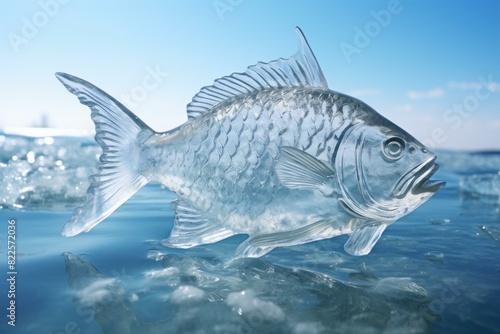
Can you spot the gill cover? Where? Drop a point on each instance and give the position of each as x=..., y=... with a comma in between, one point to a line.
x=366, y=176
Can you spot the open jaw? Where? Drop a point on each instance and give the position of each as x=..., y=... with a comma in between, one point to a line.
x=418, y=180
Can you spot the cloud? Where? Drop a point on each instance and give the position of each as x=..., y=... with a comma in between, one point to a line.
x=364, y=92
x=406, y=107
x=431, y=94
x=463, y=85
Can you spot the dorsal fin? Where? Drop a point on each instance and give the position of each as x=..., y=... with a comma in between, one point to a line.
x=300, y=70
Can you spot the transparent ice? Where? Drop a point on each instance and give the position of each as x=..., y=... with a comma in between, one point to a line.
x=271, y=152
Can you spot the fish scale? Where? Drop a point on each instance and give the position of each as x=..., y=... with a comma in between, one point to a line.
x=247, y=122
x=271, y=152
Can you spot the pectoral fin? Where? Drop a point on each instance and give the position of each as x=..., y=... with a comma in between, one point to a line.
x=363, y=239
x=297, y=169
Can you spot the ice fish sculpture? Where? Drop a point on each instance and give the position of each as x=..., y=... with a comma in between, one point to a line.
x=271, y=152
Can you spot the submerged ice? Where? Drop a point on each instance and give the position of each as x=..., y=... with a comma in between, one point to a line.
x=198, y=295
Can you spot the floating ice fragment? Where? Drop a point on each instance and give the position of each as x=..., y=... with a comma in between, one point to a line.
x=484, y=162
x=308, y=328
x=440, y=221
x=246, y=304
x=155, y=255
x=481, y=186
x=435, y=256
x=98, y=291
x=400, y=288
x=491, y=231
x=162, y=273
x=187, y=295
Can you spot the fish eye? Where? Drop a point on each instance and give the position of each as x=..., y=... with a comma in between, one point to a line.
x=394, y=148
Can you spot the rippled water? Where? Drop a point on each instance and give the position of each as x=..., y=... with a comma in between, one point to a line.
x=436, y=270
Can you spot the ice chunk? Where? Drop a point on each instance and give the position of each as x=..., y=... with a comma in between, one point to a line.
x=309, y=328
x=481, y=186
x=491, y=231
x=484, y=162
x=98, y=291
x=435, y=256
x=248, y=296
x=187, y=295
x=246, y=304
x=400, y=288
x=440, y=221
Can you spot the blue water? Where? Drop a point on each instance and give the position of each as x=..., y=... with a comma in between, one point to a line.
x=435, y=270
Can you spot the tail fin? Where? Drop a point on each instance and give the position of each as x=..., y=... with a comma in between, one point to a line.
x=120, y=134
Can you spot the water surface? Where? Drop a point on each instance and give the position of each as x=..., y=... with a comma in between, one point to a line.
x=435, y=270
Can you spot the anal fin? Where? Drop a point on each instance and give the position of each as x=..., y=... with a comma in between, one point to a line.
x=245, y=249
x=293, y=237
x=363, y=239
x=264, y=243
x=193, y=227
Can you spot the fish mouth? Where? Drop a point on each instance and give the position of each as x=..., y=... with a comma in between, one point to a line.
x=423, y=182
x=418, y=180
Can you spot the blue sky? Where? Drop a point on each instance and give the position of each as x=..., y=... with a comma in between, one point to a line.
x=432, y=67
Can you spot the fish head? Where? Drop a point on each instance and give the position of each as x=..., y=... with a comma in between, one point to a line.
x=383, y=172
